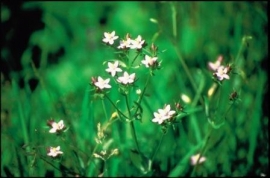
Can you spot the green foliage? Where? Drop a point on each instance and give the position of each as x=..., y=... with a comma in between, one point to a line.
x=229, y=130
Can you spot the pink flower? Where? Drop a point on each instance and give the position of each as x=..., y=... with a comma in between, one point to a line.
x=109, y=37
x=194, y=159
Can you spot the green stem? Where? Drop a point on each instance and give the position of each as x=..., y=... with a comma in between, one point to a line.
x=135, y=58
x=116, y=107
x=141, y=96
x=203, y=149
x=133, y=132
x=104, y=109
x=128, y=108
x=186, y=69
x=157, y=148
x=174, y=21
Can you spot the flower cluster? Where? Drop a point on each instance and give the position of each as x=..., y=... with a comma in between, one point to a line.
x=163, y=114
x=117, y=71
x=220, y=72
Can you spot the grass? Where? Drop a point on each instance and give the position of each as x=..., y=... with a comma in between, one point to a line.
x=46, y=74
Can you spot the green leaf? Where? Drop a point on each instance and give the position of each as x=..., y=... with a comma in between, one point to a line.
x=138, y=161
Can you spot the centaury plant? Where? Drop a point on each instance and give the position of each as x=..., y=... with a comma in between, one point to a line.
x=156, y=104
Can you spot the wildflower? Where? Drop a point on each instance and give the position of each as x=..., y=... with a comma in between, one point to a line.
x=215, y=65
x=222, y=73
x=101, y=84
x=113, y=68
x=54, y=151
x=137, y=43
x=109, y=37
x=158, y=118
x=163, y=114
x=56, y=127
x=126, y=78
x=194, y=159
x=149, y=61
x=125, y=43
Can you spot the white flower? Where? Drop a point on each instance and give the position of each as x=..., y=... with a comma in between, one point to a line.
x=163, y=114
x=222, y=73
x=126, y=78
x=54, y=151
x=168, y=113
x=194, y=159
x=101, y=84
x=56, y=126
x=109, y=37
x=158, y=118
x=124, y=44
x=137, y=43
x=149, y=61
x=113, y=68
x=215, y=65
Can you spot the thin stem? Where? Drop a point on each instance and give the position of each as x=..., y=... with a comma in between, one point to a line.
x=128, y=108
x=207, y=138
x=174, y=21
x=186, y=69
x=115, y=107
x=135, y=58
x=104, y=109
x=133, y=132
x=141, y=96
x=157, y=148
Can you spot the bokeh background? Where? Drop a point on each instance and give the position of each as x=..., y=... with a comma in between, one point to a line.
x=50, y=51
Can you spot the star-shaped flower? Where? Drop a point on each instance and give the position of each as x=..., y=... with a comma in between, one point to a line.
x=215, y=65
x=56, y=127
x=149, y=61
x=194, y=159
x=124, y=44
x=137, y=43
x=126, y=78
x=109, y=37
x=222, y=73
x=113, y=68
x=101, y=84
x=163, y=114
x=54, y=151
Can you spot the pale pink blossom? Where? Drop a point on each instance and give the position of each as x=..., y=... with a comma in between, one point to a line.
x=109, y=37
x=54, y=151
x=113, y=68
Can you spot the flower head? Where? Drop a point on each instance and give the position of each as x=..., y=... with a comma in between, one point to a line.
x=163, y=114
x=113, y=68
x=125, y=43
x=56, y=127
x=109, y=37
x=101, y=84
x=54, y=151
x=126, y=78
x=222, y=73
x=194, y=159
x=137, y=43
x=149, y=61
x=215, y=65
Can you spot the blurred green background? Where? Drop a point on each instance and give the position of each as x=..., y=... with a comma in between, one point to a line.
x=50, y=51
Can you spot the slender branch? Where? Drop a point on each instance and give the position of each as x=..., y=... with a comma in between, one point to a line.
x=207, y=138
x=104, y=109
x=157, y=148
x=116, y=107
